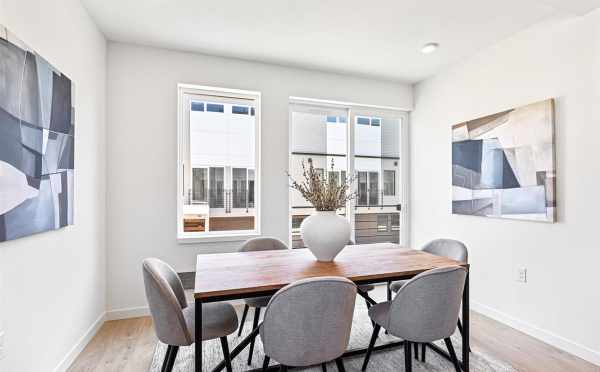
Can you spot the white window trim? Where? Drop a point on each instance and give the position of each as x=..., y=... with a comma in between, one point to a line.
x=216, y=236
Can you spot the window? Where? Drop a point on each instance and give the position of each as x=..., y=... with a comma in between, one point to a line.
x=329, y=131
x=362, y=189
x=219, y=132
x=389, y=182
x=197, y=106
x=213, y=107
x=241, y=110
x=337, y=177
x=217, y=182
x=297, y=221
x=333, y=176
x=363, y=121
x=239, y=185
x=199, y=185
x=250, y=188
x=368, y=188
x=373, y=188
x=396, y=222
x=382, y=223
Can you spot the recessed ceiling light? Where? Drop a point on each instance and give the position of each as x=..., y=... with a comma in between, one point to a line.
x=429, y=48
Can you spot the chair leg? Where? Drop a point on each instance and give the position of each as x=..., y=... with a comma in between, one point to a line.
x=407, y=356
x=416, y=347
x=167, y=357
x=368, y=307
x=460, y=330
x=323, y=367
x=226, y=355
x=244, y=314
x=452, y=353
x=170, y=358
x=371, y=345
x=423, y=350
x=389, y=296
x=340, y=364
x=254, y=326
x=266, y=364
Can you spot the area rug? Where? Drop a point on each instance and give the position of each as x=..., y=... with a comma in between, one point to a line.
x=386, y=360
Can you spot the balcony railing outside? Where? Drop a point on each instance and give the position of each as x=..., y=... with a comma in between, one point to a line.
x=223, y=198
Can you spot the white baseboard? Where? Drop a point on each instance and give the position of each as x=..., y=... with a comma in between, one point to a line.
x=126, y=313
x=136, y=312
x=548, y=337
x=81, y=344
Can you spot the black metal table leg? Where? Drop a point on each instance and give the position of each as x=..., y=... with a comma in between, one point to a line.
x=198, y=333
x=466, y=326
x=367, y=298
x=238, y=349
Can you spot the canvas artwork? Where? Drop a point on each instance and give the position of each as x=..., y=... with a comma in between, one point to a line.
x=36, y=142
x=503, y=164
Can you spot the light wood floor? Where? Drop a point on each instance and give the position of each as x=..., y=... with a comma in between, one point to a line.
x=128, y=345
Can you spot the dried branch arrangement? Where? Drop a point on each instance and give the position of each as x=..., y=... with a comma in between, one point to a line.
x=323, y=192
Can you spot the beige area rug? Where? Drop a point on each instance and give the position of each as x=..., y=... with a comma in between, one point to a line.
x=387, y=360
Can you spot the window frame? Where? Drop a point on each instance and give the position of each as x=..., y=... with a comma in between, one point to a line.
x=402, y=184
x=184, y=91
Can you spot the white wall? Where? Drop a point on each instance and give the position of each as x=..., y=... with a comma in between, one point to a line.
x=142, y=156
x=54, y=283
x=561, y=301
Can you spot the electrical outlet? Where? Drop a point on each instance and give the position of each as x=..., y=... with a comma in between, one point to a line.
x=1, y=345
x=522, y=275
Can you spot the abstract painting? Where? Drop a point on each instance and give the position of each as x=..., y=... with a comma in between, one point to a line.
x=36, y=142
x=503, y=164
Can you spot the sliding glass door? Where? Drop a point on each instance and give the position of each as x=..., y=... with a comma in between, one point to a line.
x=347, y=140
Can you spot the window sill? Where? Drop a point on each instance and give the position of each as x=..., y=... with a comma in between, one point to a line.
x=231, y=237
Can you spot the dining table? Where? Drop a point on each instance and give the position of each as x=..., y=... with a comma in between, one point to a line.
x=238, y=275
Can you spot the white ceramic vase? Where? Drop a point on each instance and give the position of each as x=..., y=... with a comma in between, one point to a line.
x=325, y=234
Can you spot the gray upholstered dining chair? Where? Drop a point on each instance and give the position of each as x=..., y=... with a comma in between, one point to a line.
x=308, y=322
x=257, y=303
x=174, y=318
x=449, y=248
x=425, y=310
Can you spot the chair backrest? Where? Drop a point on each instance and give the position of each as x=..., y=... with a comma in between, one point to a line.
x=166, y=298
x=308, y=322
x=262, y=244
x=426, y=308
x=449, y=248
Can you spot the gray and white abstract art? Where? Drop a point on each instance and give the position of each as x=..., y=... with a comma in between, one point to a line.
x=503, y=164
x=36, y=142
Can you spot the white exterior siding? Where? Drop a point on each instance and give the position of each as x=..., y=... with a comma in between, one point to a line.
x=222, y=139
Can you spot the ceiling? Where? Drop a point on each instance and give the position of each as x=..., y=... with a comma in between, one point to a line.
x=377, y=38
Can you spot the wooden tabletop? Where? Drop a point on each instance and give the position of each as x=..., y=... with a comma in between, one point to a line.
x=244, y=274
